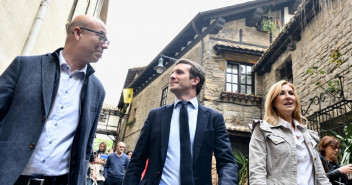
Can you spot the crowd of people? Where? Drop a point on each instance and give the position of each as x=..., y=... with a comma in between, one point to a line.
x=108, y=168
x=60, y=100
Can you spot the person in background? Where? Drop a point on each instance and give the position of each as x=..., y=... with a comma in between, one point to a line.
x=328, y=149
x=116, y=165
x=91, y=168
x=99, y=163
x=281, y=149
x=129, y=153
x=49, y=109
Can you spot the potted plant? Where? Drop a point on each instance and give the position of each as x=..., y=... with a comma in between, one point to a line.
x=244, y=163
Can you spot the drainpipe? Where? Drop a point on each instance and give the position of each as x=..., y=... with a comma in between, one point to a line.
x=201, y=41
x=73, y=9
x=124, y=121
x=27, y=49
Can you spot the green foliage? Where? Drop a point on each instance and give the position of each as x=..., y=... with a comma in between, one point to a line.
x=131, y=122
x=268, y=25
x=97, y=141
x=335, y=56
x=333, y=86
x=346, y=144
x=123, y=111
x=244, y=163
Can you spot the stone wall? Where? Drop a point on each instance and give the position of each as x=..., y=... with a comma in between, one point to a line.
x=17, y=17
x=330, y=29
x=231, y=31
x=237, y=113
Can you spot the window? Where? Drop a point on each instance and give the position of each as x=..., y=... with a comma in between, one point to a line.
x=239, y=78
x=164, y=96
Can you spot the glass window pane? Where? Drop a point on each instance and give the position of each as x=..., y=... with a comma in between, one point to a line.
x=249, y=89
x=228, y=77
x=234, y=88
x=228, y=69
x=243, y=89
x=249, y=69
x=249, y=80
x=235, y=79
x=235, y=69
x=228, y=87
x=243, y=79
x=243, y=70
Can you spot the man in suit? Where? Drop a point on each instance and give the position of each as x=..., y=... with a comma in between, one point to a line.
x=179, y=154
x=49, y=110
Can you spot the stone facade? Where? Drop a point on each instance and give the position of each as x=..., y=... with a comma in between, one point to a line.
x=17, y=17
x=331, y=28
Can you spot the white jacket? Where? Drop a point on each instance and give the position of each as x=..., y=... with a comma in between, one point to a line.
x=272, y=155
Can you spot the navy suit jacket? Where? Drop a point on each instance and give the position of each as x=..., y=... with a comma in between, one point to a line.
x=27, y=91
x=210, y=137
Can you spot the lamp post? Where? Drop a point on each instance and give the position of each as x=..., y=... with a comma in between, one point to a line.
x=160, y=68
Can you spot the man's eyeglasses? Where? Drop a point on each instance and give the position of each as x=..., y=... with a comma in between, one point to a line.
x=102, y=36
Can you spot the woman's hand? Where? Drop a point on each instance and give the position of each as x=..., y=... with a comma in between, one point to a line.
x=346, y=169
x=99, y=161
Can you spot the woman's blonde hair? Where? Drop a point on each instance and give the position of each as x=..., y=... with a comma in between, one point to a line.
x=271, y=114
x=105, y=145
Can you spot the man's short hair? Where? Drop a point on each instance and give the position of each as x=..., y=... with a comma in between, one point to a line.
x=124, y=144
x=195, y=71
x=76, y=23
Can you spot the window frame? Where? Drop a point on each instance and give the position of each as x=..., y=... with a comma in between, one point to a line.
x=164, y=92
x=239, y=74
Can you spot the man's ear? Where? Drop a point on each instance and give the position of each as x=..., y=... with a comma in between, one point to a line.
x=77, y=33
x=195, y=81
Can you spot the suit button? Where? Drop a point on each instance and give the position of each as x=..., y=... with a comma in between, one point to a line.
x=32, y=145
x=43, y=118
x=158, y=172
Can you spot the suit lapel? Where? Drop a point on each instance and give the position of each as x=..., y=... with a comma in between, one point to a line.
x=165, y=123
x=202, y=121
x=48, y=81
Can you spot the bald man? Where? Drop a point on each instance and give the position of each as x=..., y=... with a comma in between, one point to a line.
x=49, y=110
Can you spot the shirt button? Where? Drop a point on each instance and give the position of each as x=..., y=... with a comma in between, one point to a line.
x=66, y=92
x=62, y=107
x=32, y=146
x=70, y=76
x=43, y=161
x=55, y=124
x=50, y=142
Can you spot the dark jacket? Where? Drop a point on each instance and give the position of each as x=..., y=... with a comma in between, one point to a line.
x=210, y=137
x=27, y=91
x=334, y=175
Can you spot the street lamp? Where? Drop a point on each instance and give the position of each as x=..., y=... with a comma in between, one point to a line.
x=160, y=67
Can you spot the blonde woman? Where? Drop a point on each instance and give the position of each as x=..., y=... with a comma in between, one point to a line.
x=99, y=163
x=282, y=150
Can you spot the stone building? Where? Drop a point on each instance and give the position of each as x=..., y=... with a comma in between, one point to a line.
x=227, y=42
x=39, y=26
x=319, y=32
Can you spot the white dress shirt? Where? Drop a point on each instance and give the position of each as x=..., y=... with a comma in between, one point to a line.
x=171, y=170
x=305, y=174
x=51, y=155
